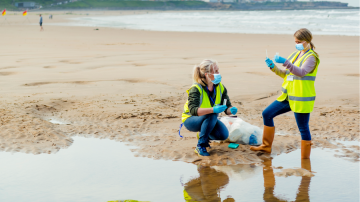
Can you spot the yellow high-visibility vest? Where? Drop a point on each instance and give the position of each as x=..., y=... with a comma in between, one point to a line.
x=300, y=91
x=204, y=99
x=187, y=197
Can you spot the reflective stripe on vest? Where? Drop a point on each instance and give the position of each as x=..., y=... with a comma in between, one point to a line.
x=201, y=93
x=304, y=57
x=283, y=90
x=292, y=56
x=294, y=98
x=307, y=78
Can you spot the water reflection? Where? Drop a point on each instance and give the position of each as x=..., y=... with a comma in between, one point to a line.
x=303, y=191
x=207, y=186
x=211, y=182
x=269, y=182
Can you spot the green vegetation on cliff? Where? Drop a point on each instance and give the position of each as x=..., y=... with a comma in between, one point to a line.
x=164, y=5
x=114, y=4
x=107, y=4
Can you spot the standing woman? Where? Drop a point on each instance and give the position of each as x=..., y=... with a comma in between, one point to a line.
x=298, y=91
x=205, y=99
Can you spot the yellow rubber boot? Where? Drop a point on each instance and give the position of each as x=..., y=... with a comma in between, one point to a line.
x=268, y=138
x=305, y=149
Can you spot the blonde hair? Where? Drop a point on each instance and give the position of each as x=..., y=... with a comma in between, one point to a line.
x=305, y=35
x=204, y=67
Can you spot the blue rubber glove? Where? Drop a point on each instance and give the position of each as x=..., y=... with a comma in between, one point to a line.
x=233, y=110
x=218, y=109
x=269, y=63
x=279, y=59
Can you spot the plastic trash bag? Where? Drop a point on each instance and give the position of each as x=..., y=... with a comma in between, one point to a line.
x=242, y=132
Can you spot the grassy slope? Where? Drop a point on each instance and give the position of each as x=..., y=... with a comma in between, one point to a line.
x=8, y=4
x=83, y=4
x=130, y=4
x=111, y=4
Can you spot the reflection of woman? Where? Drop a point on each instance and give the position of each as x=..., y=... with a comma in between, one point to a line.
x=207, y=186
x=204, y=103
x=303, y=191
x=298, y=91
x=269, y=183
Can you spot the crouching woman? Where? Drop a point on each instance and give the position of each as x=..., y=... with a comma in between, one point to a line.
x=205, y=101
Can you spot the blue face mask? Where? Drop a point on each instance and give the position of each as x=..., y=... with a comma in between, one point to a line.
x=217, y=79
x=299, y=46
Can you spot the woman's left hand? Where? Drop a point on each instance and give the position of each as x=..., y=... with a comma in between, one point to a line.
x=233, y=110
x=279, y=59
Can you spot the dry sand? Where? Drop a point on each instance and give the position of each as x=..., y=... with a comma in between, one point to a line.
x=294, y=172
x=129, y=85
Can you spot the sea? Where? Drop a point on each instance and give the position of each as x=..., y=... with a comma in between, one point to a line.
x=320, y=22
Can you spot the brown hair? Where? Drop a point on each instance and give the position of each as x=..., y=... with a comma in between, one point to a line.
x=199, y=71
x=305, y=35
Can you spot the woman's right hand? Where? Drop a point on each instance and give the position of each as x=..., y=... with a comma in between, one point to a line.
x=269, y=63
x=218, y=109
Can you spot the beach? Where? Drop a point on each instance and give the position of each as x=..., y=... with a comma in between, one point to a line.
x=129, y=86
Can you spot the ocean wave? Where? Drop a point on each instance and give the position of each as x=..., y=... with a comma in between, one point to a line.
x=339, y=22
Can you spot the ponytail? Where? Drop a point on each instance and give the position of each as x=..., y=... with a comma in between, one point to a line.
x=201, y=69
x=197, y=73
x=312, y=46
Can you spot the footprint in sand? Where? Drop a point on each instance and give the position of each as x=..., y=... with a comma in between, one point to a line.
x=49, y=67
x=138, y=64
x=69, y=62
x=7, y=73
x=8, y=67
x=356, y=75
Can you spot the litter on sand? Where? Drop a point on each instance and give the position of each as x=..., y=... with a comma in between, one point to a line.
x=233, y=145
x=242, y=132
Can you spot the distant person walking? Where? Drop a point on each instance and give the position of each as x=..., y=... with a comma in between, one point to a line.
x=41, y=21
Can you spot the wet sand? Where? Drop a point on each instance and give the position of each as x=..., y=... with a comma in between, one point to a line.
x=129, y=86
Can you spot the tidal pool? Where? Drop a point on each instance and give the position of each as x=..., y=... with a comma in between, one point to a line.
x=100, y=170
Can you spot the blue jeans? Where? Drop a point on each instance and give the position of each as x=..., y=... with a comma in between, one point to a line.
x=276, y=108
x=209, y=126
